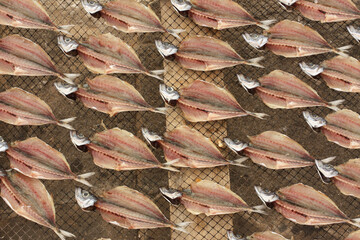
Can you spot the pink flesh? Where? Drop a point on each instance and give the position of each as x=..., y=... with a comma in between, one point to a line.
x=190, y=61
x=266, y=236
x=6, y=67
x=345, y=5
x=347, y=186
x=282, y=48
x=203, y=19
x=350, y=169
x=347, y=68
x=341, y=137
x=340, y=82
x=353, y=236
x=345, y=119
x=170, y=155
x=115, y=22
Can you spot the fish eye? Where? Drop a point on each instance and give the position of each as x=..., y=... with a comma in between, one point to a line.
x=80, y=135
x=92, y=2
x=169, y=89
x=85, y=194
x=67, y=40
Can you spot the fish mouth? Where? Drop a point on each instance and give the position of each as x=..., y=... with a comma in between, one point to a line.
x=181, y=5
x=79, y=141
x=255, y=40
x=173, y=196
x=91, y=6
x=311, y=69
x=287, y=3
x=326, y=171
x=168, y=94
x=65, y=89
x=165, y=49
x=151, y=137
x=67, y=45
x=3, y=145
x=266, y=196
x=235, y=145
x=313, y=120
x=85, y=199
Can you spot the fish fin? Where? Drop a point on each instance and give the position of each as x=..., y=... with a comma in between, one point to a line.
x=258, y=115
x=328, y=160
x=255, y=62
x=156, y=73
x=69, y=77
x=342, y=51
x=334, y=104
x=172, y=162
x=169, y=168
x=175, y=32
x=65, y=123
x=65, y=29
x=63, y=234
x=355, y=222
x=81, y=178
x=266, y=23
x=161, y=110
x=259, y=209
x=239, y=161
x=181, y=226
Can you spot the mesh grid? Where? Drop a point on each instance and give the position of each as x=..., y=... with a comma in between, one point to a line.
x=90, y=225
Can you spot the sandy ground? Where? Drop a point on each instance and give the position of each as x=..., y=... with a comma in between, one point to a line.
x=90, y=225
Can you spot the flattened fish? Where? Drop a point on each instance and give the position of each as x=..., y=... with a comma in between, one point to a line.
x=106, y=54
x=280, y=89
x=304, y=205
x=202, y=53
x=292, y=39
x=217, y=14
x=346, y=176
x=186, y=147
x=29, y=198
x=21, y=57
x=128, y=16
x=127, y=208
x=353, y=236
x=119, y=150
x=109, y=95
x=209, y=198
x=324, y=10
x=18, y=107
x=274, y=150
x=341, y=127
x=340, y=73
x=36, y=159
x=268, y=235
x=27, y=14
x=202, y=101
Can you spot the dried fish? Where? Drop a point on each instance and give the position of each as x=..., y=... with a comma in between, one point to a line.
x=128, y=16
x=119, y=150
x=106, y=54
x=353, y=236
x=304, y=205
x=274, y=150
x=203, y=53
x=340, y=73
x=341, y=127
x=280, y=89
x=209, y=198
x=36, y=159
x=202, y=101
x=21, y=57
x=217, y=14
x=29, y=198
x=18, y=107
x=109, y=95
x=268, y=235
x=292, y=39
x=127, y=208
x=186, y=147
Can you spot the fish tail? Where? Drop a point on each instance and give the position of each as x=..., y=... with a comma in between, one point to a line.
x=3, y=145
x=355, y=222
x=175, y=32
x=259, y=209
x=181, y=226
x=81, y=178
x=65, y=29
x=334, y=104
x=239, y=161
x=63, y=234
x=328, y=160
x=258, y=115
x=166, y=166
x=156, y=73
x=65, y=123
x=342, y=51
x=255, y=62
x=161, y=110
x=266, y=23
x=69, y=77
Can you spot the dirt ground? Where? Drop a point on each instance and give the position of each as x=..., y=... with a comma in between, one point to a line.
x=87, y=225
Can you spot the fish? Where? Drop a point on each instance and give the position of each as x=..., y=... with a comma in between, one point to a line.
x=353, y=236
x=119, y=150
x=203, y=53
x=209, y=198
x=274, y=150
x=36, y=159
x=341, y=127
x=29, y=198
x=340, y=73
x=186, y=147
x=344, y=176
x=109, y=95
x=280, y=89
x=202, y=101
x=267, y=235
x=292, y=39
x=20, y=56
x=324, y=11
x=106, y=54
x=27, y=14
x=18, y=107
x=128, y=16
x=127, y=208
x=354, y=32
x=217, y=14
x=304, y=205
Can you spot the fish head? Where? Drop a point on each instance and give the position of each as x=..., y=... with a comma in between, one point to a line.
x=232, y=236
x=287, y=3
x=67, y=45
x=266, y=196
x=66, y=90
x=354, y=31
x=326, y=171
x=3, y=145
x=91, y=6
x=235, y=145
x=151, y=138
x=247, y=83
x=311, y=69
x=173, y=196
x=181, y=6
x=257, y=41
x=169, y=95
x=85, y=199
x=79, y=141
x=313, y=120
x=167, y=50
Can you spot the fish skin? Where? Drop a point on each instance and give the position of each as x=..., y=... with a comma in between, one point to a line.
x=267, y=235
x=353, y=236
x=348, y=181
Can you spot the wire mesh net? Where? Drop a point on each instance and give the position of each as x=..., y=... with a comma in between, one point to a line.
x=89, y=225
